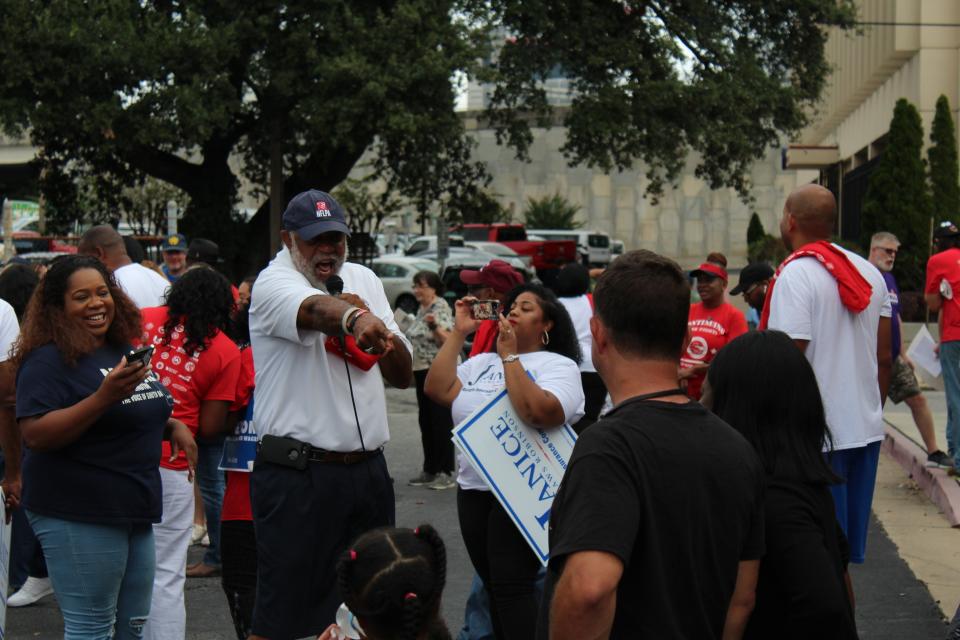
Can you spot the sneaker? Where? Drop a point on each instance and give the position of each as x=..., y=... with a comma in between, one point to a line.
x=939, y=459
x=443, y=481
x=32, y=590
x=421, y=480
x=199, y=531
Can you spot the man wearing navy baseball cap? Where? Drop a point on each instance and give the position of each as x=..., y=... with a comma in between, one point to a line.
x=320, y=478
x=174, y=250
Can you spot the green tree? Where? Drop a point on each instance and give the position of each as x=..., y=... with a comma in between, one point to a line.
x=897, y=200
x=551, y=212
x=181, y=91
x=755, y=230
x=476, y=205
x=656, y=79
x=200, y=94
x=944, y=169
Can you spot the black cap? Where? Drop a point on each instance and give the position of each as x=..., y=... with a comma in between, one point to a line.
x=203, y=250
x=946, y=229
x=750, y=275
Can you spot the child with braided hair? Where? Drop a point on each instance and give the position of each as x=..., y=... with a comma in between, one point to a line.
x=392, y=580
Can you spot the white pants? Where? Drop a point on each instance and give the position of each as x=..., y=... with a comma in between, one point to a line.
x=168, y=615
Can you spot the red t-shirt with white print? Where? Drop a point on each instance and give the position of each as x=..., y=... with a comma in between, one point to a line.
x=710, y=330
x=211, y=374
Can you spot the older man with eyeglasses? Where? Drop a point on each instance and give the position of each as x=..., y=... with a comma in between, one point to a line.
x=903, y=382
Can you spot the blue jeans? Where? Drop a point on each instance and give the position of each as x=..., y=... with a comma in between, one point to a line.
x=211, y=483
x=102, y=575
x=950, y=362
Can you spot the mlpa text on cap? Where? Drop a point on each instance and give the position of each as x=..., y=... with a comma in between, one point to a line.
x=314, y=212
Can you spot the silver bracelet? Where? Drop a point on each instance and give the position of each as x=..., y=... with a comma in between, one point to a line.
x=346, y=317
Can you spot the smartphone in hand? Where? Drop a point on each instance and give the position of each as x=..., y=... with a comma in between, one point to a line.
x=141, y=355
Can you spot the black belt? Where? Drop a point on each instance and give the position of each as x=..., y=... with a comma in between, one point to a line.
x=337, y=457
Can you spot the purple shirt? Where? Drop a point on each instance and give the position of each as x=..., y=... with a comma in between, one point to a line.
x=895, y=315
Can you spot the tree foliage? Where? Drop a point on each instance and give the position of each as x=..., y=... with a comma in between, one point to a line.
x=755, y=230
x=199, y=93
x=476, y=205
x=656, y=79
x=204, y=95
x=551, y=212
x=944, y=169
x=365, y=208
x=897, y=199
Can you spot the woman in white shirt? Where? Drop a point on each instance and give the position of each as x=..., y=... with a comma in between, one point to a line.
x=573, y=289
x=536, y=359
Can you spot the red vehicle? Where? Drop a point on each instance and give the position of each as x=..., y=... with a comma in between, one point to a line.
x=547, y=255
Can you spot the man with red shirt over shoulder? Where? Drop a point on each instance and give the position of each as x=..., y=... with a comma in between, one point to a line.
x=835, y=306
x=943, y=285
x=713, y=323
x=491, y=282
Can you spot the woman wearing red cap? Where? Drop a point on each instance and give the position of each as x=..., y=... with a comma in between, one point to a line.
x=713, y=322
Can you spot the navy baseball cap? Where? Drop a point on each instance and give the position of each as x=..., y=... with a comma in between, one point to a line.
x=175, y=242
x=312, y=213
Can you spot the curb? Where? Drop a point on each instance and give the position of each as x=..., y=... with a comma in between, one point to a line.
x=942, y=489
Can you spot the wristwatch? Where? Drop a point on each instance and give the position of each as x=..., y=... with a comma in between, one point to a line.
x=511, y=358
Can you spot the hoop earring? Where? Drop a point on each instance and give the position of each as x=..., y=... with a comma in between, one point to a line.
x=545, y=338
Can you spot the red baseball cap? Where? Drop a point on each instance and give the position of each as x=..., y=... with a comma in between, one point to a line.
x=711, y=270
x=497, y=274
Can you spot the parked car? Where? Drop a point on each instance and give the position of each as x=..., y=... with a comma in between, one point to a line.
x=429, y=243
x=593, y=247
x=616, y=249
x=460, y=255
x=396, y=273
x=547, y=256
x=501, y=250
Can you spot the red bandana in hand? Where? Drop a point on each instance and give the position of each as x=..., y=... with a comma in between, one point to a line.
x=353, y=354
x=853, y=288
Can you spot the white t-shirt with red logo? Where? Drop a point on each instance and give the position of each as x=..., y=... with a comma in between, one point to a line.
x=843, y=345
x=191, y=378
x=710, y=330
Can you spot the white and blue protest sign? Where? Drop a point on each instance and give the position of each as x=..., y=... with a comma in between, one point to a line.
x=522, y=466
x=240, y=447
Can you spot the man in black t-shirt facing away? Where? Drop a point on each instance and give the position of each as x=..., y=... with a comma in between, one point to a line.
x=657, y=528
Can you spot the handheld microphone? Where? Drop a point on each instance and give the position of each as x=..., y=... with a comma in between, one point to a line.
x=334, y=285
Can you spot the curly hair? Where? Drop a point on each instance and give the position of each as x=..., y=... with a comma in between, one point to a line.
x=202, y=302
x=392, y=579
x=563, y=336
x=45, y=321
x=17, y=283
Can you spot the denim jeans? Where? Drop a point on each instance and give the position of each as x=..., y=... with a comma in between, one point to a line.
x=211, y=482
x=102, y=575
x=950, y=362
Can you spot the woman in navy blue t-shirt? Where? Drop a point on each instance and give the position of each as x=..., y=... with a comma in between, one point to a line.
x=92, y=425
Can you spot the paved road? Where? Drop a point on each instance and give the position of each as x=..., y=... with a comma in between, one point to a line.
x=891, y=603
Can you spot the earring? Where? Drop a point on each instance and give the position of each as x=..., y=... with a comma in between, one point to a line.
x=545, y=338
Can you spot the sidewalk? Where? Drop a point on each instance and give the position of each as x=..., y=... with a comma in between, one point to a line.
x=917, y=505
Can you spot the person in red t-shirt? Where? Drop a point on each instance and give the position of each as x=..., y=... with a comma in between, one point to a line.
x=713, y=322
x=200, y=367
x=941, y=294
x=238, y=548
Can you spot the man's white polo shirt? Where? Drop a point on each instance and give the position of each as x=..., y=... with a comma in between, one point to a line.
x=302, y=391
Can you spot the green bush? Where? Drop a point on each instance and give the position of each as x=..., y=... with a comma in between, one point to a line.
x=552, y=212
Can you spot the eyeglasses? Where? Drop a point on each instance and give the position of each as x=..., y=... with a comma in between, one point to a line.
x=887, y=250
x=751, y=289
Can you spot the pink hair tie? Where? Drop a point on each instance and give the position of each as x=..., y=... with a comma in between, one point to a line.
x=410, y=596
x=416, y=531
x=353, y=554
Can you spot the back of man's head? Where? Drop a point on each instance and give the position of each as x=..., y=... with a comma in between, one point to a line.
x=643, y=300
x=102, y=237
x=815, y=209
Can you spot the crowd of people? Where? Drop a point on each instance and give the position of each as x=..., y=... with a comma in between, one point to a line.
x=720, y=484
